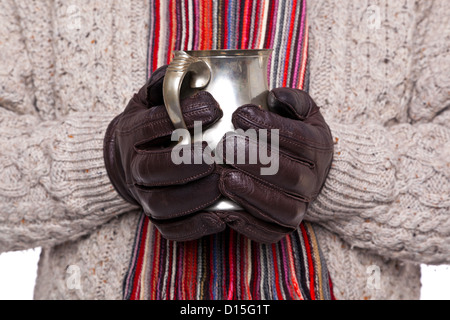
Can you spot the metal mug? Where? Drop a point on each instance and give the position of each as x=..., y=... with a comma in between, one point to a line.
x=233, y=77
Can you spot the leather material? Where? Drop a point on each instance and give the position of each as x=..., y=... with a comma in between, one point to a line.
x=279, y=201
x=137, y=152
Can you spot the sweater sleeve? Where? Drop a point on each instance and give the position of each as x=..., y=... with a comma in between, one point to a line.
x=388, y=191
x=389, y=187
x=53, y=185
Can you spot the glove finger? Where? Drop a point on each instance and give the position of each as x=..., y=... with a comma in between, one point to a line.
x=296, y=137
x=191, y=227
x=150, y=94
x=291, y=103
x=154, y=93
x=172, y=166
x=271, y=165
x=261, y=200
x=296, y=104
x=253, y=228
x=155, y=123
x=180, y=200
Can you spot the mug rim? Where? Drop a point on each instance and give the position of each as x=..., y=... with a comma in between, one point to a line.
x=228, y=53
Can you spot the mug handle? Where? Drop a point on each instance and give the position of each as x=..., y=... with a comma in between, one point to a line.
x=181, y=65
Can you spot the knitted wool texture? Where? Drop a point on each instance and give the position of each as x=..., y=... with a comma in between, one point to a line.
x=379, y=70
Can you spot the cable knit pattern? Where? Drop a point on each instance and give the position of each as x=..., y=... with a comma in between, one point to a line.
x=15, y=67
x=379, y=70
x=37, y=34
x=63, y=78
x=55, y=187
x=99, y=260
x=389, y=187
x=359, y=275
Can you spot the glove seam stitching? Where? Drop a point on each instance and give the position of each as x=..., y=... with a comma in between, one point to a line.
x=162, y=120
x=177, y=215
x=263, y=125
x=251, y=205
x=188, y=179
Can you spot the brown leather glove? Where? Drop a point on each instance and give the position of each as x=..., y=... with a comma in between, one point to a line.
x=137, y=153
x=275, y=204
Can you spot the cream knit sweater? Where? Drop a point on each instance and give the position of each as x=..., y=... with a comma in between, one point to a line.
x=380, y=71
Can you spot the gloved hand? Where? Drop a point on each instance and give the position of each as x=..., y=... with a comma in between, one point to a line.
x=137, y=153
x=275, y=204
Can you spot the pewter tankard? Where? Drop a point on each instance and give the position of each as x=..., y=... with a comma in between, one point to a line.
x=233, y=77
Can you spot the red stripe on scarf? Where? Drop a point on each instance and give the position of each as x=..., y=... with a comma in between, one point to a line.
x=138, y=272
x=304, y=55
x=246, y=25
x=288, y=50
x=269, y=31
x=169, y=273
x=310, y=263
x=186, y=40
x=231, y=262
x=172, y=29
x=256, y=23
x=157, y=31
x=225, y=24
x=277, y=272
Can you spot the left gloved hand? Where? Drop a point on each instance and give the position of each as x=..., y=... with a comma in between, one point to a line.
x=276, y=203
x=138, y=158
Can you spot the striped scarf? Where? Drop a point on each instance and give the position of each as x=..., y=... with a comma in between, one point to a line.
x=228, y=265
x=234, y=24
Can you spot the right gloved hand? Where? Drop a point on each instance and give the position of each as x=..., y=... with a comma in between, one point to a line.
x=138, y=161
